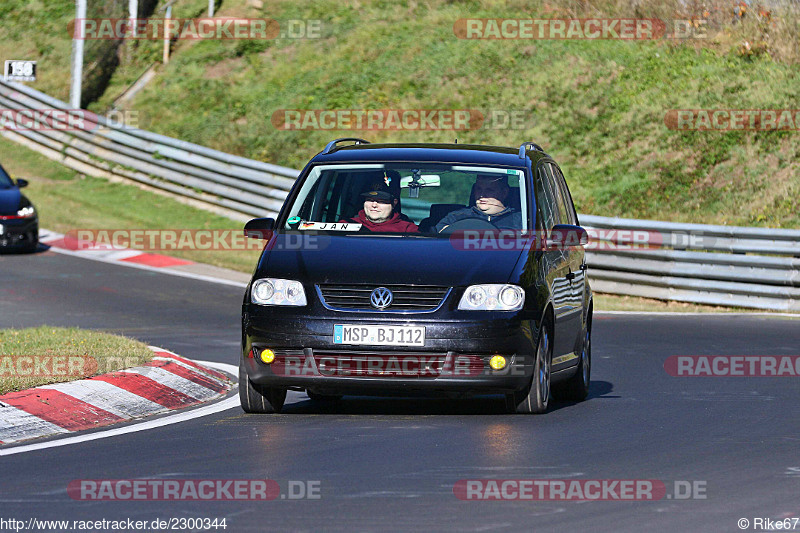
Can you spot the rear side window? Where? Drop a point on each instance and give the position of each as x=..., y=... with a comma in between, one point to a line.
x=546, y=198
x=566, y=209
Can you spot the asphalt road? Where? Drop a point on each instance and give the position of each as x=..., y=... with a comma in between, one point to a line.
x=392, y=464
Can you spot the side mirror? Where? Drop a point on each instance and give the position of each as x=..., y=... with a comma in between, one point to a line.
x=567, y=236
x=22, y=183
x=259, y=228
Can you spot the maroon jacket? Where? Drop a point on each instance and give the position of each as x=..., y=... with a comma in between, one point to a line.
x=395, y=223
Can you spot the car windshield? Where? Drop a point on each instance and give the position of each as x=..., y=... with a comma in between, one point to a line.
x=5, y=180
x=408, y=198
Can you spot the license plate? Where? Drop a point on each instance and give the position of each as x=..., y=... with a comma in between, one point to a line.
x=379, y=335
x=1, y=229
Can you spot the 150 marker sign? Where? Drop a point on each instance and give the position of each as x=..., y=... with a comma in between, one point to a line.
x=18, y=70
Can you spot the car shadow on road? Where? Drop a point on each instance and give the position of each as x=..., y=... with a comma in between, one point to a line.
x=597, y=390
x=41, y=247
x=299, y=403
x=601, y=389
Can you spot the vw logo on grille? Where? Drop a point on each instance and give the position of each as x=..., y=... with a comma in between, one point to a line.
x=381, y=298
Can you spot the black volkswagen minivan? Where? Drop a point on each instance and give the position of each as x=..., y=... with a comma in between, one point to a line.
x=440, y=269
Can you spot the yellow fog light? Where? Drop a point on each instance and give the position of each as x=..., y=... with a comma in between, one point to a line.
x=497, y=362
x=268, y=356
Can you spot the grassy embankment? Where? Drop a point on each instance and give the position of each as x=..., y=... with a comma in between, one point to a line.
x=37, y=356
x=597, y=106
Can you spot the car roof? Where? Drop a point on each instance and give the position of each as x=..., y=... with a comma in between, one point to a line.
x=434, y=153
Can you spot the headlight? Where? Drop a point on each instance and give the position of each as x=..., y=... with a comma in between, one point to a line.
x=492, y=298
x=26, y=212
x=270, y=291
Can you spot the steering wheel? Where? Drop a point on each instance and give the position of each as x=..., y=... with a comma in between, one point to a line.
x=468, y=223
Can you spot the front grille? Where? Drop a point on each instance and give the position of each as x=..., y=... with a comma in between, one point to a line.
x=361, y=363
x=379, y=364
x=404, y=297
x=12, y=238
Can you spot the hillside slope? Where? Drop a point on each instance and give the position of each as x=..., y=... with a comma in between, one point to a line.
x=598, y=106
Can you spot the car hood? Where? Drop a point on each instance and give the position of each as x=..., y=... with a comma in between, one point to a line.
x=9, y=201
x=383, y=260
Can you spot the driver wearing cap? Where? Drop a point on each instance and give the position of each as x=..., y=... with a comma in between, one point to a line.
x=379, y=210
x=491, y=193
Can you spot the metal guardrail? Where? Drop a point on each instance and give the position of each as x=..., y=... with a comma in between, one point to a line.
x=717, y=265
x=239, y=186
x=685, y=262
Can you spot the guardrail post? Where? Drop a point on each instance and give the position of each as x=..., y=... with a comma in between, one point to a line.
x=133, y=13
x=166, y=34
x=77, y=54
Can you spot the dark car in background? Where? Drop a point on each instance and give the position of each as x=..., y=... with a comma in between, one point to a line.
x=19, y=223
x=449, y=295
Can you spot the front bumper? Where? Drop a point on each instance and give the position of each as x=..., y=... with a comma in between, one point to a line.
x=453, y=361
x=19, y=233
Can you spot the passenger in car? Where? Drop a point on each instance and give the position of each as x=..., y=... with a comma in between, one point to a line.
x=379, y=212
x=491, y=198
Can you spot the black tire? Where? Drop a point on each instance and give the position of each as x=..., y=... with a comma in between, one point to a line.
x=33, y=245
x=535, y=399
x=257, y=398
x=324, y=398
x=576, y=389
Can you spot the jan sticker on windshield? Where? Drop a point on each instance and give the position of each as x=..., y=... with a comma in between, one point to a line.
x=330, y=226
